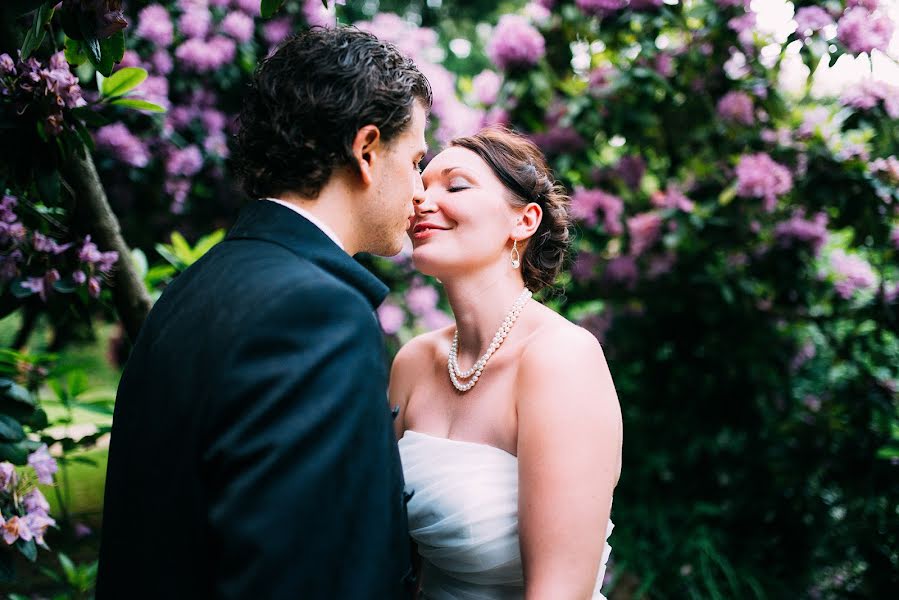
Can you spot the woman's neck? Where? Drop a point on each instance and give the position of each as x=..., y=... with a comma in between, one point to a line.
x=480, y=302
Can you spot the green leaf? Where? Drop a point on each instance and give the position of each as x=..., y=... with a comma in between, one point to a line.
x=270, y=7
x=94, y=54
x=104, y=54
x=32, y=42
x=139, y=260
x=182, y=248
x=77, y=383
x=19, y=291
x=207, y=242
x=68, y=567
x=122, y=81
x=89, y=116
x=16, y=453
x=16, y=392
x=10, y=429
x=75, y=53
x=137, y=104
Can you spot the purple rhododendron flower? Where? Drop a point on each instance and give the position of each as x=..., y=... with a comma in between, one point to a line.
x=631, y=170
x=316, y=14
x=672, y=198
x=486, y=86
x=36, y=285
x=238, y=25
x=37, y=525
x=276, y=30
x=737, y=108
x=810, y=19
x=584, y=267
x=251, y=7
x=42, y=243
x=799, y=229
x=435, y=319
x=622, y=270
x=889, y=166
x=894, y=237
x=15, y=529
x=7, y=65
x=161, y=61
x=35, y=502
x=644, y=230
x=586, y=203
x=187, y=161
x=154, y=24
x=600, y=7
x=744, y=26
x=122, y=144
x=7, y=476
x=421, y=298
x=195, y=22
x=391, y=317
x=205, y=56
x=852, y=273
x=869, y=92
x=515, y=43
x=43, y=464
x=862, y=31
x=758, y=176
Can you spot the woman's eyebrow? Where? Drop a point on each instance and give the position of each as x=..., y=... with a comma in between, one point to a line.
x=464, y=173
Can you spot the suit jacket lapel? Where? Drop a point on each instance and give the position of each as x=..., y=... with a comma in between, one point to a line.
x=269, y=221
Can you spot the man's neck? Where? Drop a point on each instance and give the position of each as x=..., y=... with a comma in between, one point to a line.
x=330, y=210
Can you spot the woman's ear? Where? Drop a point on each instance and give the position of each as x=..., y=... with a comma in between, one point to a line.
x=528, y=221
x=366, y=146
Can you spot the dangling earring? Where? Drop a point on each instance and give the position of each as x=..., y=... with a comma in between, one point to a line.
x=516, y=257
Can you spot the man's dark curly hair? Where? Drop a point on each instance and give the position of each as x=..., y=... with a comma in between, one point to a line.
x=308, y=100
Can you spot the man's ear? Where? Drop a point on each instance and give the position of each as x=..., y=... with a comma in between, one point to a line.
x=366, y=146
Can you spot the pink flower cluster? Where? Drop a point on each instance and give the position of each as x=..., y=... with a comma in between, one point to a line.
x=644, y=230
x=798, y=229
x=123, y=145
x=27, y=510
x=861, y=30
x=889, y=166
x=758, y=176
x=869, y=92
x=585, y=204
x=155, y=25
x=515, y=43
x=600, y=8
x=53, y=87
x=736, y=107
x=852, y=273
x=422, y=302
x=810, y=19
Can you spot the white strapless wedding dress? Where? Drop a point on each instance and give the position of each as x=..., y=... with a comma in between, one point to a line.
x=464, y=517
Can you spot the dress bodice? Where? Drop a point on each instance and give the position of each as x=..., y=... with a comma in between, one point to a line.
x=464, y=517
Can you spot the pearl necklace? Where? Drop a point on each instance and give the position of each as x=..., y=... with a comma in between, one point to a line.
x=474, y=373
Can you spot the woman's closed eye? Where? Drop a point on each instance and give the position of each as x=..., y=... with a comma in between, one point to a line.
x=457, y=185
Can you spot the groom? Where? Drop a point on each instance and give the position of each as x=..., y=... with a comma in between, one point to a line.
x=252, y=452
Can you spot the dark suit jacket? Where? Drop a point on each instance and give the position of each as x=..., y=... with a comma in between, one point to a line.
x=252, y=451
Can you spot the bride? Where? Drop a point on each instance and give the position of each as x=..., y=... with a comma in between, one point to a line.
x=509, y=424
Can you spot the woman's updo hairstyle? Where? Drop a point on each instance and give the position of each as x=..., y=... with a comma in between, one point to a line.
x=522, y=168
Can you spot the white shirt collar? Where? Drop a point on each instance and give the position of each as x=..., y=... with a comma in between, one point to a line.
x=311, y=218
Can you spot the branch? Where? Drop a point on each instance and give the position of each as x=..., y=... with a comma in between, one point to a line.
x=129, y=293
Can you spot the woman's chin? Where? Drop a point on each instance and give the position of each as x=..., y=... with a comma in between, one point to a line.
x=424, y=264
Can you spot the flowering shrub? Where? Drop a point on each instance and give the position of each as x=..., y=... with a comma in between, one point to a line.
x=733, y=167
